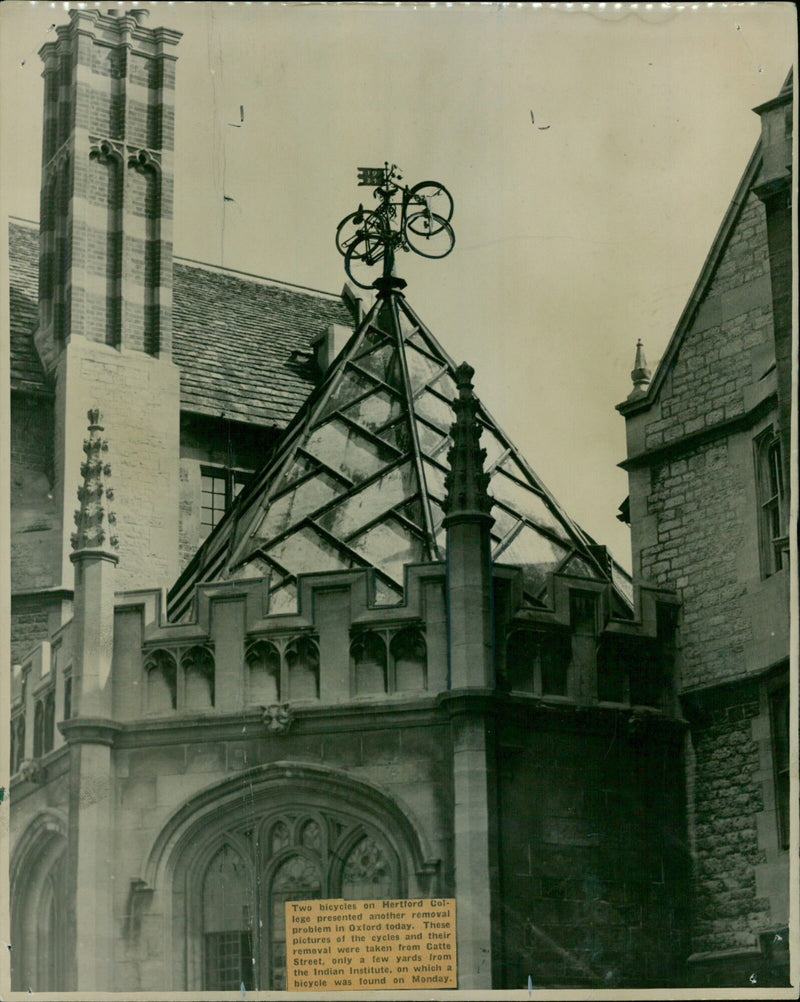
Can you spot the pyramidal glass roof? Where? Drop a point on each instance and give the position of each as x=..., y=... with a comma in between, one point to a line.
x=357, y=480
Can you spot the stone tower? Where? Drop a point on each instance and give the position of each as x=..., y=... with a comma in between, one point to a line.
x=105, y=272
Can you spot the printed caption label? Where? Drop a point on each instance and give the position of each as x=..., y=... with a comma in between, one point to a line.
x=385, y=943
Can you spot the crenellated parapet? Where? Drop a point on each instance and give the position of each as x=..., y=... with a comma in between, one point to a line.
x=341, y=649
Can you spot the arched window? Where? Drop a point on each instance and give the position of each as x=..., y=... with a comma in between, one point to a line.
x=49, y=931
x=38, y=907
x=17, y=741
x=49, y=720
x=67, y=697
x=302, y=661
x=521, y=654
x=38, y=729
x=296, y=879
x=368, y=657
x=228, y=910
x=198, y=677
x=773, y=543
x=264, y=673
x=162, y=681
x=234, y=874
x=409, y=656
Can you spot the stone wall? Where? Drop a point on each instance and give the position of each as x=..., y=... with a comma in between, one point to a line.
x=594, y=860
x=138, y=399
x=698, y=507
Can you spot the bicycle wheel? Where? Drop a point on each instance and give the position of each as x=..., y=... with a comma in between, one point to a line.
x=429, y=235
x=351, y=228
x=431, y=196
x=362, y=256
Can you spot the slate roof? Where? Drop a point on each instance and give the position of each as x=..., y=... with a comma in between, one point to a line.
x=27, y=375
x=358, y=481
x=241, y=342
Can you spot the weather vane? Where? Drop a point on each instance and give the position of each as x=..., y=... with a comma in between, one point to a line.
x=405, y=219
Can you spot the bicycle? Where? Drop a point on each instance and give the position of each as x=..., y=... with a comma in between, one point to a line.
x=366, y=237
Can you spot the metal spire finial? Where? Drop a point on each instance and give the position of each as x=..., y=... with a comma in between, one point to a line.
x=640, y=374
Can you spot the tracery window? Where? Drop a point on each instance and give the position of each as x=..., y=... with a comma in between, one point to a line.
x=264, y=673
x=257, y=867
x=198, y=674
x=388, y=661
x=38, y=911
x=162, y=681
x=282, y=669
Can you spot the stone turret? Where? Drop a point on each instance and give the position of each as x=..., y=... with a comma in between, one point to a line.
x=105, y=272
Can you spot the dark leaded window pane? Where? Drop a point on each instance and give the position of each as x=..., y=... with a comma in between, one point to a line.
x=229, y=961
x=521, y=652
x=555, y=655
x=227, y=912
x=297, y=879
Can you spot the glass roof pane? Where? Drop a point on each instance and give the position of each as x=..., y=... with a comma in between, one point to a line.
x=293, y=506
x=504, y=522
x=351, y=385
x=413, y=512
x=283, y=600
x=305, y=551
x=386, y=595
x=434, y=478
x=398, y=435
x=254, y=568
x=375, y=410
x=421, y=368
x=390, y=546
x=383, y=363
x=300, y=467
x=446, y=385
x=360, y=507
x=622, y=581
x=434, y=409
x=431, y=440
x=579, y=567
x=494, y=447
x=417, y=340
x=342, y=448
x=407, y=326
x=525, y=501
x=536, y=554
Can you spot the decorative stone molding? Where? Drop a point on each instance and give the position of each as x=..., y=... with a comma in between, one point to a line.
x=143, y=160
x=32, y=771
x=278, y=717
x=105, y=151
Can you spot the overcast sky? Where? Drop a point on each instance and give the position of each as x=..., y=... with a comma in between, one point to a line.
x=591, y=156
